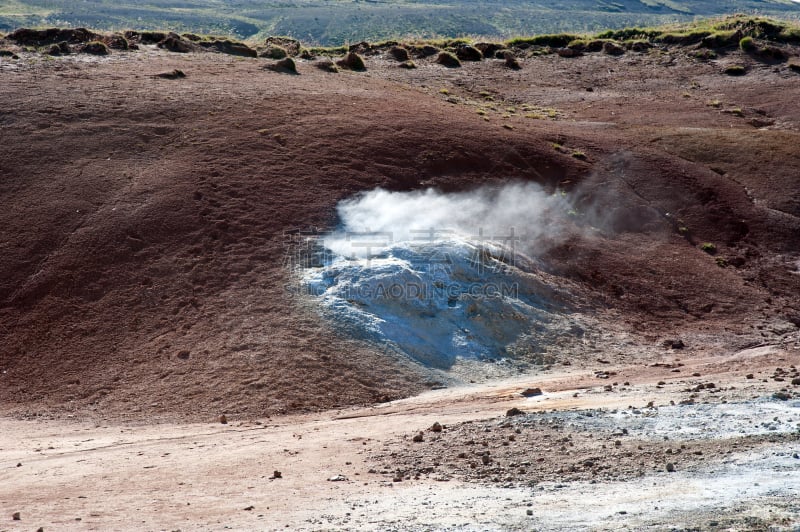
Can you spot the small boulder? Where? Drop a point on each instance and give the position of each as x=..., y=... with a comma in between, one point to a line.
x=418, y=438
x=174, y=43
x=488, y=49
x=95, y=48
x=531, y=392
x=735, y=70
x=362, y=47
x=514, y=412
x=16, y=516
x=223, y=419
x=567, y=52
x=352, y=61
x=436, y=427
x=229, y=48
x=399, y=53
x=408, y=65
x=274, y=52
x=118, y=42
x=291, y=46
x=449, y=60
x=611, y=48
x=466, y=52
x=428, y=50
x=511, y=61
x=175, y=74
x=326, y=65
x=285, y=65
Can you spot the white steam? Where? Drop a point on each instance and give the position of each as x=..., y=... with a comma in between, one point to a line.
x=522, y=212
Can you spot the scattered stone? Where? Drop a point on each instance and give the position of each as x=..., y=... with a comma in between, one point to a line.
x=514, y=412
x=531, y=392
x=229, y=47
x=749, y=376
x=61, y=48
x=735, y=70
x=274, y=52
x=567, y=52
x=418, y=438
x=611, y=48
x=174, y=43
x=16, y=516
x=486, y=459
x=276, y=474
x=466, y=52
x=448, y=60
x=96, y=48
x=408, y=65
x=362, y=47
x=8, y=53
x=223, y=419
x=249, y=508
x=796, y=381
x=118, y=42
x=338, y=478
x=285, y=65
x=429, y=50
x=146, y=37
x=436, y=427
x=511, y=61
x=175, y=74
x=399, y=53
x=781, y=396
x=327, y=65
x=183, y=355
x=489, y=49
x=528, y=512
x=670, y=467
x=29, y=37
x=352, y=61
x=772, y=53
x=291, y=46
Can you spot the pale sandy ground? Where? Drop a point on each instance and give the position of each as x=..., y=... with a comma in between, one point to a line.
x=79, y=476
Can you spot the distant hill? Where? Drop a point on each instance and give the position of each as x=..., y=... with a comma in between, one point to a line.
x=330, y=22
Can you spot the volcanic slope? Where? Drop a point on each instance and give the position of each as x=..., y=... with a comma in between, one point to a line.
x=143, y=265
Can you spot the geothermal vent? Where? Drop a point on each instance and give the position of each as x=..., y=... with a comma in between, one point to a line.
x=442, y=277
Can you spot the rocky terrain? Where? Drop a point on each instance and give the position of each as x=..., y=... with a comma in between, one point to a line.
x=154, y=187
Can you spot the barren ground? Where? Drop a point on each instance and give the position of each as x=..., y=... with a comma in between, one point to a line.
x=143, y=294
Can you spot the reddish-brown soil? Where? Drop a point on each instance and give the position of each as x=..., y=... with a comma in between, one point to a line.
x=142, y=234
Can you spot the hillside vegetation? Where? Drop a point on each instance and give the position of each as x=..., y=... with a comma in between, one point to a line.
x=335, y=22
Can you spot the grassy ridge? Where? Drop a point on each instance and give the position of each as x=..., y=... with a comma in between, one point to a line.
x=334, y=22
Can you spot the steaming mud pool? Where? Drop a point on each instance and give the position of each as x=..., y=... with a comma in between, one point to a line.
x=441, y=301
